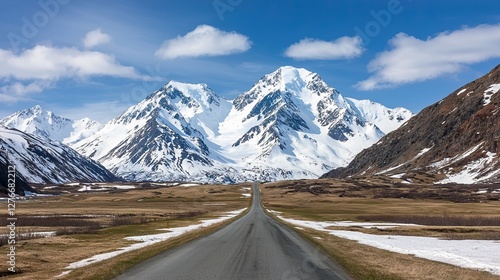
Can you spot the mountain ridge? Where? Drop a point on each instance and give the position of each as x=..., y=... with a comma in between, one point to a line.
x=42, y=123
x=290, y=124
x=38, y=160
x=192, y=133
x=452, y=141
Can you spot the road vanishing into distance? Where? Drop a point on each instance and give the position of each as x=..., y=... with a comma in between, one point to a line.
x=253, y=247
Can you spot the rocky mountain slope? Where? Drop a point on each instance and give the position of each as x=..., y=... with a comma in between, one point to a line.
x=38, y=160
x=20, y=184
x=164, y=137
x=453, y=141
x=290, y=124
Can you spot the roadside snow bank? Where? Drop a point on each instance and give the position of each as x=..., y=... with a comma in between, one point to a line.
x=476, y=254
x=146, y=240
x=326, y=225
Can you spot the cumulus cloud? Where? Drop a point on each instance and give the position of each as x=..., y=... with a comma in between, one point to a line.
x=38, y=68
x=204, y=40
x=44, y=62
x=412, y=60
x=342, y=48
x=94, y=38
x=17, y=91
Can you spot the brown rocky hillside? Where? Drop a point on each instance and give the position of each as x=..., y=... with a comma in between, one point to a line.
x=454, y=140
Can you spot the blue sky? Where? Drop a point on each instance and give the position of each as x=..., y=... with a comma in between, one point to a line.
x=96, y=58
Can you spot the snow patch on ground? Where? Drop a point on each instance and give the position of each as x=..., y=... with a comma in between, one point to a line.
x=390, y=169
x=87, y=188
x=385, y=171
x=475, y=254
x=122, y=187
x=147, y=240
x=471, y=173
x=423, y=151
x=325, y=225
x=462, y=91
x=189, y=185
x=494, y=88
x=246, y=194
x=103, y=187
x=28, y=193
x=447, y=161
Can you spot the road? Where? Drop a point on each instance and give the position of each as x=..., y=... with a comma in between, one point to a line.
x=253, y=247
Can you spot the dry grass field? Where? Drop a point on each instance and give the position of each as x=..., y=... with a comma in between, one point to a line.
x=89, y=223
x=449, y=211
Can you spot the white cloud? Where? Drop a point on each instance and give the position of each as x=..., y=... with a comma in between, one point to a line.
x=204, y=40
x=95, y=38
x=49, y=63
x=16, y=91
x=342, y=48
x=36, y=69
x=412, y=60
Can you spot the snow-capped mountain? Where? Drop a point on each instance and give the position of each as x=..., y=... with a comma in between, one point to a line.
x=164, y=137
x=456, y=140
x=290, y=124
x=38, y=160
x=45, y=124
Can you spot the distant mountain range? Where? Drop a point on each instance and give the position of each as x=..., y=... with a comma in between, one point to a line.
x=456, y=140
x=289, y=125
x=45, y=124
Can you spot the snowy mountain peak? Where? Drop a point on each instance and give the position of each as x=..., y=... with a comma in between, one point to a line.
x=45, y=124
x=291, y=79
x=37, y=109
x=200, y=93
x=39, y=122
x=179, y=103
x=292, y=116
x=290, y=75
x=38, y=112
x=286, y=83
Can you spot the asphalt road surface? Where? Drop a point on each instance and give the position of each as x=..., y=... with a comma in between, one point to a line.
x=252, y=247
